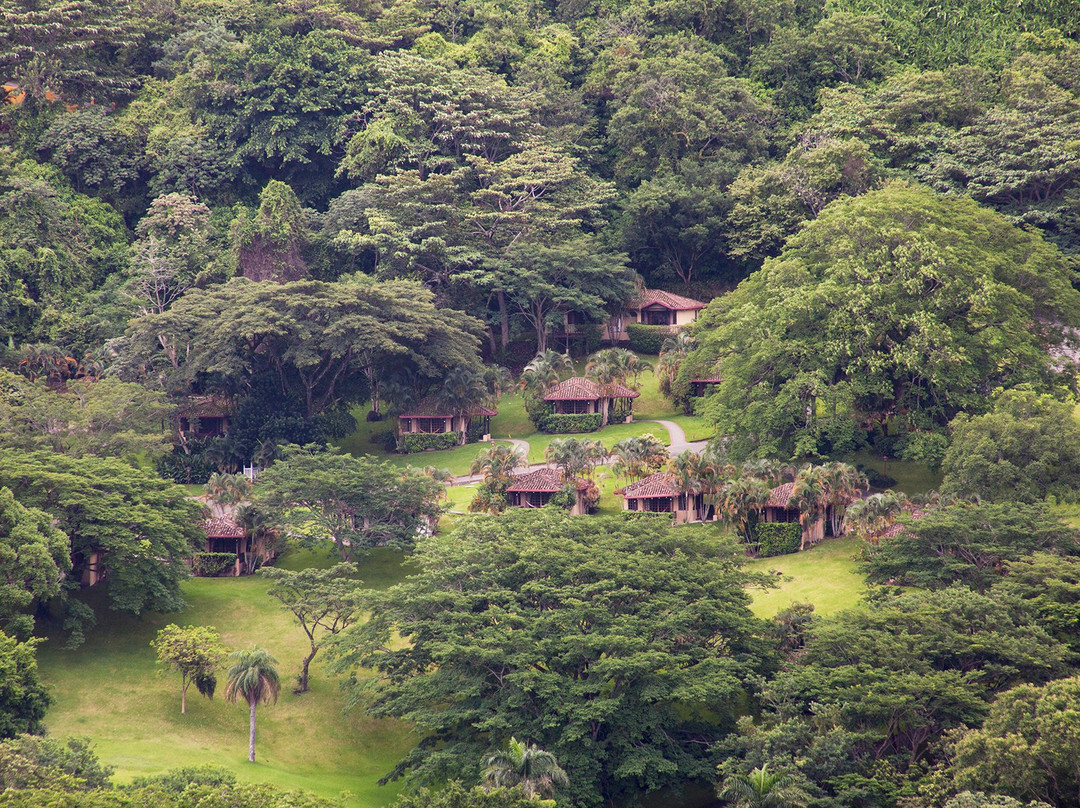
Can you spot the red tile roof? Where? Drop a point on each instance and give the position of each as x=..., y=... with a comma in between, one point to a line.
x=662, y=484
x=649, y=297
x=578, y=388
x=429, y=408
x=780, y=497
x=896, y=528
x=222, y=528
x=541, y=480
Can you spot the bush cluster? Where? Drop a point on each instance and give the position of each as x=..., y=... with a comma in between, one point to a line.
x=208, y=565
x=558, y=424
x=777, y=538
x=420, y=442
x=647, y=339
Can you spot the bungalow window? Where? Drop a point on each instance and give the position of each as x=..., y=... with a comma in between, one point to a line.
x=574, y=318
x=658, y=316
x=431, y=426
x=577, y=407
x=536, y=499
x=658, y=504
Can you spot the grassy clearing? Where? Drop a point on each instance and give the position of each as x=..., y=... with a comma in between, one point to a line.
x=110, y=690
x=825, y=575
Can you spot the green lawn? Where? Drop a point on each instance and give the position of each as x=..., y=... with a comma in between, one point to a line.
x=825, y=576
x=694, y=427
x=110, y=690
x=911, y=478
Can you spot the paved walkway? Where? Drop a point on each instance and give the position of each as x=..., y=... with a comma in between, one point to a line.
x=679, y=443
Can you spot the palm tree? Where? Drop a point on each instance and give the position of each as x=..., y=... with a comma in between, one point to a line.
x=844, y=483
x=672, y=353
x=763, y=789
x=544, y=370
x=575, y=457
x=810, y=495
x=769, y=471
x=462, y=391
x=638, y=456
x=739, y=501
x=497, y=464
x=224, y=492
x=253, y=678
x=526, y=765
x=614, y=366
x=874, y=515
x=263, y=536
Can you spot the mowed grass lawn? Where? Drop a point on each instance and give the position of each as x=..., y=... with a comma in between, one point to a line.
x=111, y=691
x=824, y=575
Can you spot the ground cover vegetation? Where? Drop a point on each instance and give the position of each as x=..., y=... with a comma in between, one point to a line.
x=237, y=233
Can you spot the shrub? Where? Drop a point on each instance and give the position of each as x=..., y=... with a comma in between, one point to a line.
x=475, y=430
x=566, y=424
x=385, y=438
x=421, y=442
x=647, y=339
x=777, y=538
x=207, y=565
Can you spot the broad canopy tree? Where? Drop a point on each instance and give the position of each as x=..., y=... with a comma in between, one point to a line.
x=142, y=527
x=358, y=503
x=894, y=311
x=618, y=646
x=322, y=341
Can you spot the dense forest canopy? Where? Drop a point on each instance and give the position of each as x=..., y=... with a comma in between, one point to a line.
x=229, y=226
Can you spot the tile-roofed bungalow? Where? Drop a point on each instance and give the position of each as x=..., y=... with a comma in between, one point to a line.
x=654, y=307
x=580, y=396
x=204, y=416
x=225, y=535
x=780, y=508
x=428, y=417
x=534, y=489
x=661, y=493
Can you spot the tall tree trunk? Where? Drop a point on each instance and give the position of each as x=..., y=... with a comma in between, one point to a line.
x=304, y=668
x=504, y=319
x=183, y=695
x=251, y=739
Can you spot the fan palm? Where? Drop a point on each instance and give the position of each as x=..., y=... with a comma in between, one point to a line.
x=844, y=483
x=527, y=765
x=544, y=370
x=225, y=491
x=253, y=678
x=872, y=516
x=763, y=789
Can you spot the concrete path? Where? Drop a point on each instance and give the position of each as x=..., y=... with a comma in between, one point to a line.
x=679, y=443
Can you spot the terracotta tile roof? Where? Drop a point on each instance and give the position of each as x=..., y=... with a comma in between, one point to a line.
x=541, y=480
x=662, y=484
x=578, y=388
x=713, y=379
x=429, y=408
x=649, y=297
x=205, y=407
x=780, y=497
x=896, y=528
x=222, y=528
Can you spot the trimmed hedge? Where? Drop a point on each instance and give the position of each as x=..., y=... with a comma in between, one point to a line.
x=647, y=339
x=777, y=538
x=207, y=565
x=565, y=424
x=421, y=441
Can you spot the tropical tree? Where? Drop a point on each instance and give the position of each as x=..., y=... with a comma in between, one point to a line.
x=810, y=495
x=224, y=492
x=463, y=389
x=194, y=652
x=872, y=516
x=324, y=602
x=497, y=464
x=253, y=678
x=575, y=457
x=527, y=765
x=740, y=501
x=843, y=485
x=544, y=370
x=639, y=456
x=672, y=353
x=614, y=366
x=763, y=789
